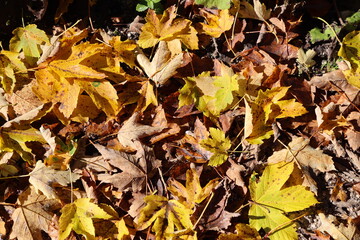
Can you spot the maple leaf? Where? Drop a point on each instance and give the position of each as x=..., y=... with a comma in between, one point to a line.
x=166, y=28
x=78, y=216
x=16, y=133
x=193, y=193
x=216, y=24
x=218, y=144
x=124, y=50
x=43, y=178
x=163, y=66
x=134, y=168
x=267, y=107
x=33, y=215
x=28, y=39
x=167, y=216
x=63, y=80
x=349, y=50
x=10, y=65
x=211, y=95
x=271, y=201
x=130, y=133
x=244, y=232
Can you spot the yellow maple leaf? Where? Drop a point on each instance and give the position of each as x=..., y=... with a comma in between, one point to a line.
x=193, y=193
x=271, y=201
x=10, y=68
x=28, y=39
x=218, y=144
x=216, y=24
x=167, y=216
x=350, y=51
x=244, y=232
x=78, y=216
x=267, y=107
x=166, y=28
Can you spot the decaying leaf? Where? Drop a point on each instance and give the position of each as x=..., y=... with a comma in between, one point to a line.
x=271, y=201
x=78, y=216
x=340, y=232
x=33, y=215
x=43, y=178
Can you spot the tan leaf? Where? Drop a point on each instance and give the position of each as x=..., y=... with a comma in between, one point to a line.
x=43, y=178
x=32, y=216
x=130, y=133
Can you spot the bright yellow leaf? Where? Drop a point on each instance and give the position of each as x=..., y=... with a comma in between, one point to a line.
x=78, y=216
x=218, y=144
x=271, y=201
x=244, y=232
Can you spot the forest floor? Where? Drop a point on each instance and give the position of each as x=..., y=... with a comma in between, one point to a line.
x=236, y=120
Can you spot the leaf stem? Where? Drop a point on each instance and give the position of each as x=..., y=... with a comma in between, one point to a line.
x=11, y=177
x=331, y=28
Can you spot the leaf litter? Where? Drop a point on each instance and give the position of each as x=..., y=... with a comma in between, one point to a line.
x=211, y=120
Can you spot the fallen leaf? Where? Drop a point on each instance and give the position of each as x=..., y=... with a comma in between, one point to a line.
x=43, y=178
x=163, y=65
x=78, y=216
x=219, y=145
x=341, y=232
x=216, y=24
x=166, y=216
x=271, y=201
x=130, y=133
x=192, y=193
x=33, y=215
x=166, y=28
x=220, y=4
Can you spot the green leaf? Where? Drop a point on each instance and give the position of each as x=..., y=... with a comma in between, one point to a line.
x=141, y=7
x=271, y=201
x=78, y=216
x=218, y=144
x=316, y=34
x=220, y=4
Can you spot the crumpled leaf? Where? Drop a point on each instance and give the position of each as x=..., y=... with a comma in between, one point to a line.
x=349, y=50
x=299, y=150
x=33, y=215
x=271, y=201
x=43, y=178
x=341, y=232
x=166, y=216
x=211, y=95
x=192, y=193
x=219, y=4
x=78, y=216
x=244, y=232
x=306, y=59
x=267, y=107
x=216, y=24
x=28, y=39
x=166, y=28
x=218, y=144
x=130, y=133
x=163, y=65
